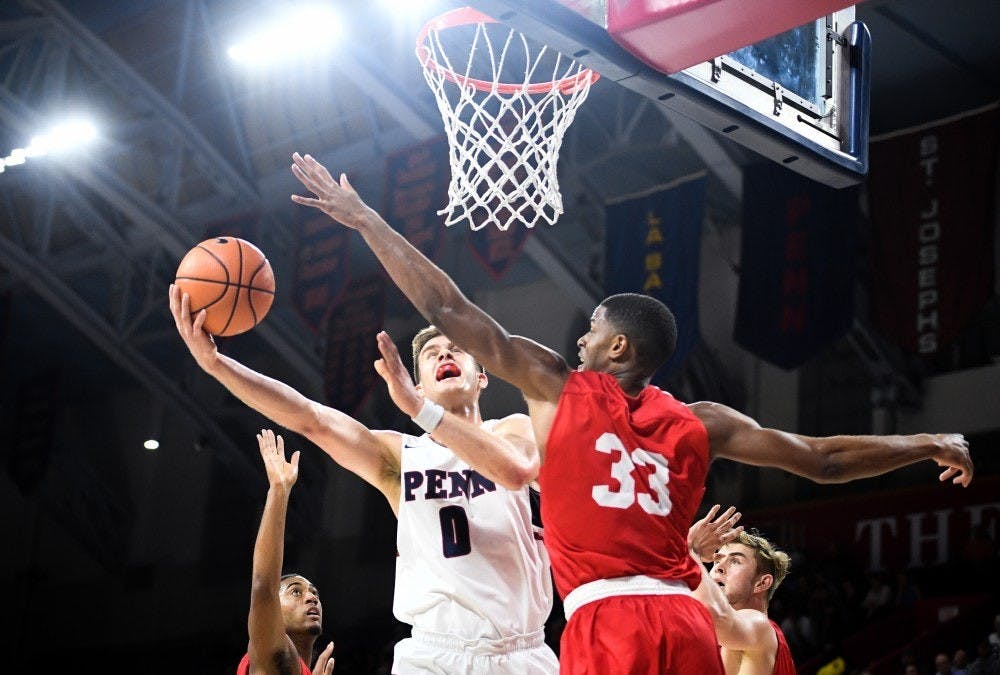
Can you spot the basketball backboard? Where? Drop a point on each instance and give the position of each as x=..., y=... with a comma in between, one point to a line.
x=800, y=97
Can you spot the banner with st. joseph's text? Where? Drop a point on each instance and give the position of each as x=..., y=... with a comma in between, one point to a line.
x=653, y=245
x=796, y=292
x=932, y=192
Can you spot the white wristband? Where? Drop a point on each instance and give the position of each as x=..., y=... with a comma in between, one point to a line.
x=429, y=416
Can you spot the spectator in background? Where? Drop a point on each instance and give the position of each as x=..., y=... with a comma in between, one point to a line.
x=879, y=594
x=994, y=637
x=942, y=665
x=960, y=663
x=986, y=662
x=907, y=592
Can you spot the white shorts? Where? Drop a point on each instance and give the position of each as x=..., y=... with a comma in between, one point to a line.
x=442, y=654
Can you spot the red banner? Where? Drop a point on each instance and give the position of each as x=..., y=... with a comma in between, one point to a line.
x=911, y=528
x=932, y=195
x=416, y=187
x=322, y=267
x=348, y=373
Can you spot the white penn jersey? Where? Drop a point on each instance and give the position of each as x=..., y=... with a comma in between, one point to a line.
x=471, y=561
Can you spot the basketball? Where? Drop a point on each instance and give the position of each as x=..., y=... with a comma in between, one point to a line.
x=229, y=278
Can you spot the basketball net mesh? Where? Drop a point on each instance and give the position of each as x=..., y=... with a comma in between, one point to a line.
x=503, y=138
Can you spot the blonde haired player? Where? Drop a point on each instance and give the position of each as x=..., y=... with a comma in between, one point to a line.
x=746, y=571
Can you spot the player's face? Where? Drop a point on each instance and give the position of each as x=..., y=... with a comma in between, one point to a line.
x=300, y=606
x=447, y=372
x=596, y=343
x=735, y=570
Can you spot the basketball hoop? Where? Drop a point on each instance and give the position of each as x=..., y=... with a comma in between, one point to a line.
x=505, y=112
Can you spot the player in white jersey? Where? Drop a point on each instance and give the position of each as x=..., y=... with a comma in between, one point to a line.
x=478, y=612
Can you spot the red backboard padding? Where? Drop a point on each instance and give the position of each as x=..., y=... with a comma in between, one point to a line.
x=670, y=35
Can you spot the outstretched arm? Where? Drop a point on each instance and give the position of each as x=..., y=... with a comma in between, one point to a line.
x=372, y=456
x=269, y=643
x=537, y=371
x=508, y=455
x=832, y=459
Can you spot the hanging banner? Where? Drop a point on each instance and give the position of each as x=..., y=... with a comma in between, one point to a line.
x=653, y=245
x=910, y=528
x=932, y=192
x=348, y=373
x=416, y=186
x=322, y=268
x=497, y=249
x=796, y=291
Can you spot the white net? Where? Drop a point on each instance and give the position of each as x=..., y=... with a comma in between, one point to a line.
x=506, y=106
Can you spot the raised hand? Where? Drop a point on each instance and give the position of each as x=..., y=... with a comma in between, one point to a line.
x=953, y=454
x=708, y=535
x=280, y=473
x=324, y=662
x=199, y=343
x=336, y=199
x=401, y=389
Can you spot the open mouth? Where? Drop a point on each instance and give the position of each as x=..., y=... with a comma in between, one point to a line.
x=312, y=612
x=446, y=371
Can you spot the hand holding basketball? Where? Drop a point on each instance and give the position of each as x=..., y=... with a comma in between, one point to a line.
x=231, y=280
x=199, y=343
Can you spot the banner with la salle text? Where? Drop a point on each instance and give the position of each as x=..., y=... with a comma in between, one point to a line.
x=653, y=245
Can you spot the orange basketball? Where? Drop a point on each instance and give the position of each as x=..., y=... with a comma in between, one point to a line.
x=229, y=278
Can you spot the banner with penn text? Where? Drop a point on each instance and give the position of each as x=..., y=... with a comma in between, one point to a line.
x=932, y=192
x=796, y=292
x=653, y=245
x=416, y=187
x=348, y=373
x=322, y=268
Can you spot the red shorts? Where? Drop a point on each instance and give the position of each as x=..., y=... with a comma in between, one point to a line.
x=640, y=635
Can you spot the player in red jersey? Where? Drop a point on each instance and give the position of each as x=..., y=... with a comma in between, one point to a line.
x=746, y=572
x=285, y=612
x=623, y=463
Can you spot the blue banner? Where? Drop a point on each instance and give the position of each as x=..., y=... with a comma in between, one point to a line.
x=796, y=292
x=653, y=246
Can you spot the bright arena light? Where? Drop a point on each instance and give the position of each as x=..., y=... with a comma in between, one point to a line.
x=303, y=31
x=151, y=444
x=63, y=137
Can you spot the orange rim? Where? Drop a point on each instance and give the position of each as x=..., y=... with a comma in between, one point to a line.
x=464, y=16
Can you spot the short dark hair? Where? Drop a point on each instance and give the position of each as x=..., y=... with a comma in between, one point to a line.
x=423, y=336
x=648, y=324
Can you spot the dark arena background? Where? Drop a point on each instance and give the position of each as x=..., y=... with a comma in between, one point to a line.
x=130, y=482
